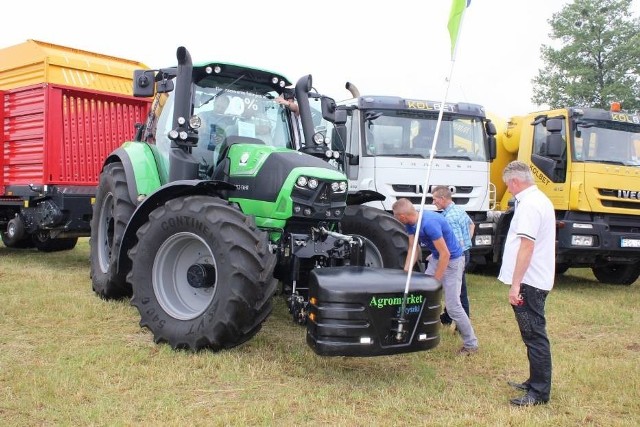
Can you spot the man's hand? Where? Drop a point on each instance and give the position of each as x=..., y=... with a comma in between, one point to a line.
x=514, y=294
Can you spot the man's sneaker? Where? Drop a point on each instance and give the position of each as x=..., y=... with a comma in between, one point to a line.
x=466, y=351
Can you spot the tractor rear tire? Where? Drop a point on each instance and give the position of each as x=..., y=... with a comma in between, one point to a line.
x=111, y=213
x=617, y=274
x=381, y=229
x=202, y=274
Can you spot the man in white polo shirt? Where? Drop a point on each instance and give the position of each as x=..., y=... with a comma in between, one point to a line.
x=528, y=265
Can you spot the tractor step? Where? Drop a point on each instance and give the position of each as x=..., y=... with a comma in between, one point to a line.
x=355, y=311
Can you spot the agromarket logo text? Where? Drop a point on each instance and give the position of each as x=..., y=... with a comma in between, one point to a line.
x=381, y=302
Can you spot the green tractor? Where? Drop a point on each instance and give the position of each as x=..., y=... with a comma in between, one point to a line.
x=227, y=195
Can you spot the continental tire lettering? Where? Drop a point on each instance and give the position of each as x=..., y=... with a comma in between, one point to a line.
x=185, y=221
x=199, y=327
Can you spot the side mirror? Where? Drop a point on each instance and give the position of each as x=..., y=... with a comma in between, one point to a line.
x=554, y=125
x=491, y=139
x=490, y=128
x=143, y=83
x=328, y=106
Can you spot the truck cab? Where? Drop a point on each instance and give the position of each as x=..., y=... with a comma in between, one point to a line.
x=587, y=161
x=388, y=146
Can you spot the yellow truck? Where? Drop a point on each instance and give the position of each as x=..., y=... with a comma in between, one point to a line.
x=587, y=161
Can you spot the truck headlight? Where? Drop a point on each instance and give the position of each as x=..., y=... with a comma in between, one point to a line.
x=578, y=240
x=483, y=240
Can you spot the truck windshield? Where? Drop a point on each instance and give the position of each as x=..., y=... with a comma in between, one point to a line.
x=224, y=112
x=607, y=142
x=396, y=134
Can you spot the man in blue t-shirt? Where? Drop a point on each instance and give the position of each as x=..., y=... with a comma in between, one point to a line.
x=446, y=262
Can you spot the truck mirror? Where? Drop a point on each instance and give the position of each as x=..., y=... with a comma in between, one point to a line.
x=490, y=128
x=491, y=140
x=554, y=125
x=143, y=86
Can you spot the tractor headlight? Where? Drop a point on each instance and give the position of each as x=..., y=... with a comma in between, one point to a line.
x=343, y=186
x=318, y=138
x=335, y=186
x=302, y=181
x=313, y=183
x=328, y=154
x=195, y=122
x=184, y=135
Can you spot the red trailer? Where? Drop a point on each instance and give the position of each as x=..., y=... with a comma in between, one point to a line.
x=54, y=139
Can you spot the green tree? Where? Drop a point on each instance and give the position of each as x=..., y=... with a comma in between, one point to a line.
x=599, y=58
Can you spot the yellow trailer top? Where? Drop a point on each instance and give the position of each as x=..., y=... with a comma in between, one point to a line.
x=35, y=62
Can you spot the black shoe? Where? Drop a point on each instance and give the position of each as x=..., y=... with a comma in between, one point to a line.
x=519, y=386
x=445, y=320
x=528, y=400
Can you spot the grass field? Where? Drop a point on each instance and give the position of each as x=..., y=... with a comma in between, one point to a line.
x=70, y=358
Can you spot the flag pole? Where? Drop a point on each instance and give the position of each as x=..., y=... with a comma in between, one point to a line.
x=456, y=15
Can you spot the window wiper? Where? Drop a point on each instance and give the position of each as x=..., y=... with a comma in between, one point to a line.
x=609, y=162
x=221, y=91
x=453, y=157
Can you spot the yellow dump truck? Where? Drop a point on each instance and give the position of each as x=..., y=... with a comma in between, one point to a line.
x=587, y=161
x=62, y=111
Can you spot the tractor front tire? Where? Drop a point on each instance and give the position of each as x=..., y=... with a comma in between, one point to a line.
x=202, y=274
x=381, y=229
x=111, y=213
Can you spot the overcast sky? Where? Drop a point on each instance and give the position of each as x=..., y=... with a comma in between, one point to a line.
x=397, y=47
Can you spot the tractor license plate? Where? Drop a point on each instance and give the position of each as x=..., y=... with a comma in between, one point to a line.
x=630, y=243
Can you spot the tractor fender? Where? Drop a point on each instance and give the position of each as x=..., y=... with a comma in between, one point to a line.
x=143, y=168
x=364, y=196
x=159, y=198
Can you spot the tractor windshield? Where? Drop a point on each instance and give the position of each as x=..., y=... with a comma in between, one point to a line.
x=607, y=142
x=394, y=134
x=224, y=112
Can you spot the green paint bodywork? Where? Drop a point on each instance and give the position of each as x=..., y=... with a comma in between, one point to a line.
x=149, y=167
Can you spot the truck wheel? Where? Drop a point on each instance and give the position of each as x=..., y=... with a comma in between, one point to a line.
x=44, y=243
x=111, y=213
x=617, y=274
x=202, y=274
x=562, y=268
x=380, y=229
x=15, y=237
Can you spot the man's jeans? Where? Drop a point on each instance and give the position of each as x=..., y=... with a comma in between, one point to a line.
x=532, y=324
x=464, y=299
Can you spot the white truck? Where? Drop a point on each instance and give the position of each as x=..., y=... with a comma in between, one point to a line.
x=387, y=146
